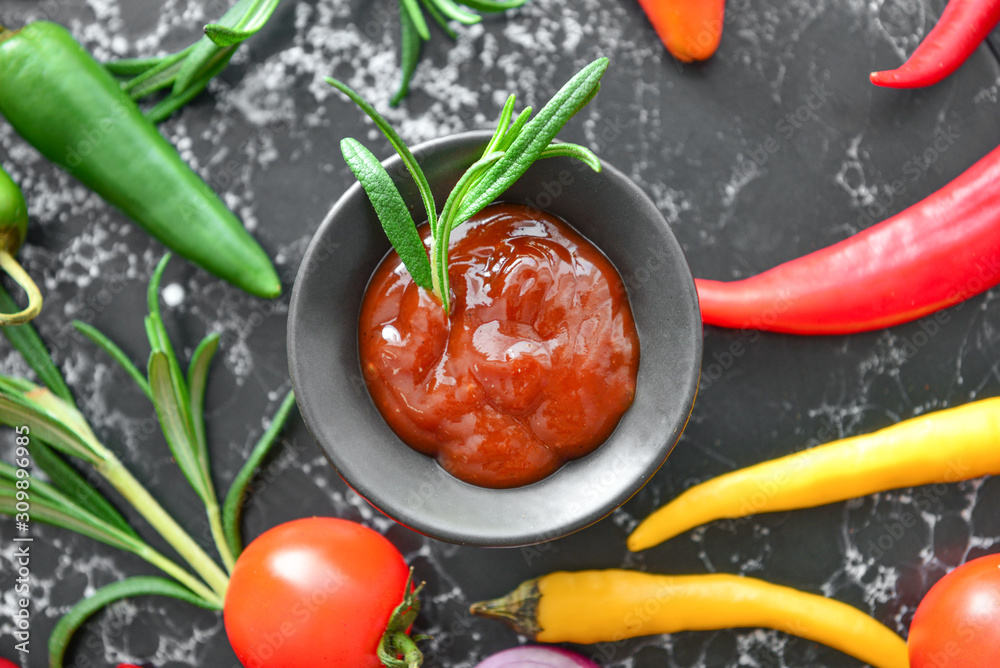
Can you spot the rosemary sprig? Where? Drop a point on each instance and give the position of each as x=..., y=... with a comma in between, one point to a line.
x=514, y=147
x=414, y=31
x=55, y=428
x=187, y=72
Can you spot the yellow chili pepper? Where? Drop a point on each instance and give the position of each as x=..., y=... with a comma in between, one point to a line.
x=603, y=606
x=946, y=446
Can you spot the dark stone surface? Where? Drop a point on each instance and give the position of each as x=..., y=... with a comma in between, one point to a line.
x=266, y=135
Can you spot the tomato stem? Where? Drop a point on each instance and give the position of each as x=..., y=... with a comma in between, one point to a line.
x=396, y=641
x=412, y=656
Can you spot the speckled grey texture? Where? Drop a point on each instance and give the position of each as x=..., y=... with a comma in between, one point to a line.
x=774, y=148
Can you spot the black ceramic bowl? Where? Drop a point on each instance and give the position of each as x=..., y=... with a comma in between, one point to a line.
x=412, y=488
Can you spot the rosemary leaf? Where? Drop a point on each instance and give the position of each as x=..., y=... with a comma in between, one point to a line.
x=492, y=5
x=586, y=100
x=16, y=411
x=390, y=209
x=130, y=67
x=205, y=52
x=10, y=384
x=455, y=12
x=159, y=341
x=515, y=128
x=116, y=353
x=157, y=332
x=412, y=9
x=168, y=105
x=399, y=145
x=538, y=133
x=197, y=380
x=39, y=489
x=71, y=483
x=69, y=517
x=202, y=52
x=252, y=20
x=510, y=152
x=439, y=18
x=232, y=507
x=581, y=153
x=410, y=46
x=26, y=341
x=175, y=424
x=503, y=125
x=162, y=75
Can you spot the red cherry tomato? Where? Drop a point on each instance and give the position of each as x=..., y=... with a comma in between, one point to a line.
x=957, y=624
x=313, y=592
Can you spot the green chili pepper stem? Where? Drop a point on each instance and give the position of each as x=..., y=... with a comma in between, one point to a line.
x=14, y=269
x=13, y=230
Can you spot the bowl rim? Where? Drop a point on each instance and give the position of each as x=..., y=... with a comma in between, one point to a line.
x=539, y=529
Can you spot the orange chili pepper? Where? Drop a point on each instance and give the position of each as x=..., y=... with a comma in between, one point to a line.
x=690, y=29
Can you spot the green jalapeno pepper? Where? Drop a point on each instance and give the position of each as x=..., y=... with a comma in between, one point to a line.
x=13, y=229
x=72, y=110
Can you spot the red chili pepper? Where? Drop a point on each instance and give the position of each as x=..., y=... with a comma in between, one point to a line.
x=962, y=26
x=934, y=254
x=690, y=29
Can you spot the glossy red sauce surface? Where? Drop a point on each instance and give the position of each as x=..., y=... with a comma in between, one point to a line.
x=535, y=365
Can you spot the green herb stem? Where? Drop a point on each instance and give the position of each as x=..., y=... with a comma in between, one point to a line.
x=503, y=125
x=453, y=11
x=439, y=18
x=167, y=106
x=159, y=76
x=419, y=178
x=410, y=46
x=252, y=20
x=130, y=67
x=68, y=481
x=133, y=491
x=175, y=571
x=233, y=505
x=219, y=536
x=26, y=340
x=414, y=28
x=439, y=250
x=187, y=72
x=412, y=10
x=116, y=353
